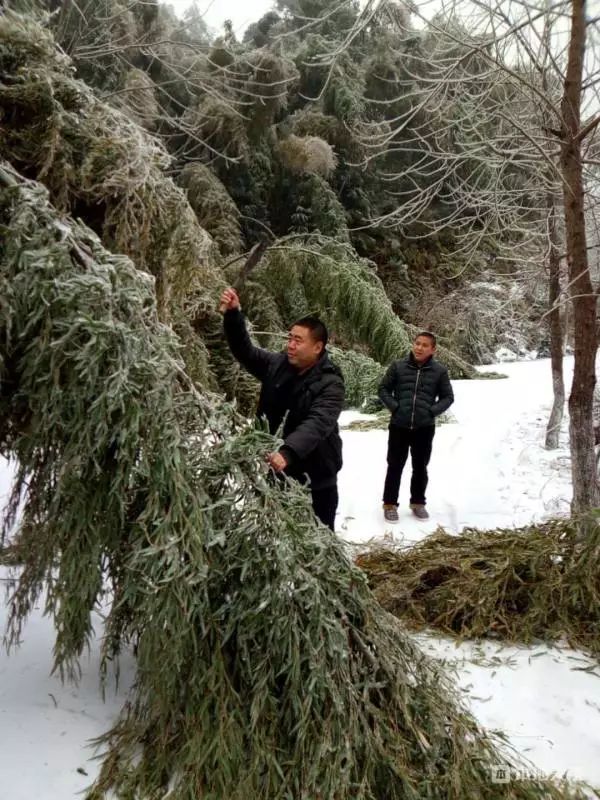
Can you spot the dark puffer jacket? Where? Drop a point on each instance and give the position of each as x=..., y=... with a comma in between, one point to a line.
x=313, y=402
x=416, y=394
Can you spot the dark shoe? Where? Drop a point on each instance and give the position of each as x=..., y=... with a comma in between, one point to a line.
x=419, y=511
x=390, y=513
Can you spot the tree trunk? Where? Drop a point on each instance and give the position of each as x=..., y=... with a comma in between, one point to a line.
x=585, y=487
x=556, y=329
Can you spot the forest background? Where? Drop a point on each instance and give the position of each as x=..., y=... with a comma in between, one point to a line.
x=385, y=168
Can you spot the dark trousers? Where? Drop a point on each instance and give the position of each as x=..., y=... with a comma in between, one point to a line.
x=400, y=441
x=325, y=502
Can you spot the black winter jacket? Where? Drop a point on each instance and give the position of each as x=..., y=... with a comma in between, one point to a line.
x=416, y=394
x=313, y=402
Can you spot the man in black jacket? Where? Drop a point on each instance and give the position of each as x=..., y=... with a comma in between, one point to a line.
x=416, y=390
x=304, y=387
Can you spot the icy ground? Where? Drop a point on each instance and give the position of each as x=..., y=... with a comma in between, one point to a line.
x=488, y=469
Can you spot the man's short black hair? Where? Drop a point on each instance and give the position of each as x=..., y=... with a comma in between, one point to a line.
x=316, y=327
x=428, y=335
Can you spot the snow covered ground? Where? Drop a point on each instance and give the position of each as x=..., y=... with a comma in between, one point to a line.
x=488, y=469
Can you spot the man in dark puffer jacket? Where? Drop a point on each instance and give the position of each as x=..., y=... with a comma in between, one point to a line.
x=416, y=390
x=305, y=385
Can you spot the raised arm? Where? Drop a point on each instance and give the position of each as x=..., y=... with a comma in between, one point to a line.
x=256, y=360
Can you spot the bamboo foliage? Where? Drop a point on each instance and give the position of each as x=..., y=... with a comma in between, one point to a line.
x=322, y=276
x=95, y=160
x=310, y=154
x=91, y=413
x=362, y=376
x=215, y=210
x=521, y=585
x=265, y=667
x=140, y=99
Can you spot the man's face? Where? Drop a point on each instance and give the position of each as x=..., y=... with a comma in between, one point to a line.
x=423, y=348
x=302, y=350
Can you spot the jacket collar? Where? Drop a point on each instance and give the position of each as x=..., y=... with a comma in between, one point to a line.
x=415, y=364
x=323, y=364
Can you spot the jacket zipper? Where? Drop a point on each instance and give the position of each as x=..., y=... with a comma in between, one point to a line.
x=412, y=419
